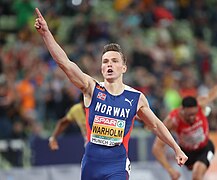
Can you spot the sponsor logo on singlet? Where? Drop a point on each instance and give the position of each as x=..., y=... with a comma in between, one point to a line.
x=107, y=131
x=129, y=101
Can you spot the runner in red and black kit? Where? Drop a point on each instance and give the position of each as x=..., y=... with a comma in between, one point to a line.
x=190, y=125
x=193, y=137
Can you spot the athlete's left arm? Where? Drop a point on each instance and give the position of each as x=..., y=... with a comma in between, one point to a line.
x=211, y=96
x=155, y=124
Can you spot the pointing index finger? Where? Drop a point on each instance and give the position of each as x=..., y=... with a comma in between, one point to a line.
x=38, y=13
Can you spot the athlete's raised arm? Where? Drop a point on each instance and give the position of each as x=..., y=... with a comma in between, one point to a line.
x=81, y=80
x=152, y=121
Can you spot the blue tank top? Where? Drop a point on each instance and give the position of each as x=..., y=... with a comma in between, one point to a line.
x=110, y=121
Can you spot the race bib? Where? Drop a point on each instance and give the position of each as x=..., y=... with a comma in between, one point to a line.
x=107, y=131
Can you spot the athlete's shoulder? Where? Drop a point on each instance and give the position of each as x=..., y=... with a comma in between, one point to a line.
x=129, y=88
x=75, y=107
x=174, y=117
x=174, y=112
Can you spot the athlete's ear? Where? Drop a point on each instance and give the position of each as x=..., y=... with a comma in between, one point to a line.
x=124, y=68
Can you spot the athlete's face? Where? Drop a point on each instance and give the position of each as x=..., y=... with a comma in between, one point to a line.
x=112, y=65
x=189, y=114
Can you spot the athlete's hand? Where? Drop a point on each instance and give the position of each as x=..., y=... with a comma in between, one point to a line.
x=175, y=175
x=181, y=158
x=40, y=23
x=53, y=144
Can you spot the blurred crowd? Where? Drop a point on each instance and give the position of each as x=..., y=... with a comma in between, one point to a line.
x=170, y=46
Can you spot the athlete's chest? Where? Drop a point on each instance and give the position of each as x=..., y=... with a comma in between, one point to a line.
x=114, y=106
x=185, y=128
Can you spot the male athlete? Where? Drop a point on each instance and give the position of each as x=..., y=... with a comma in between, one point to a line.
x=190, y=125
x=75, y=114
x=111, y=107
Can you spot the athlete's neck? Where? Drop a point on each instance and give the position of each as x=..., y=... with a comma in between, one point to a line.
x=114, y=88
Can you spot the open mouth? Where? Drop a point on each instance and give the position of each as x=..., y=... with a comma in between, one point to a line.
x=110, y=71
